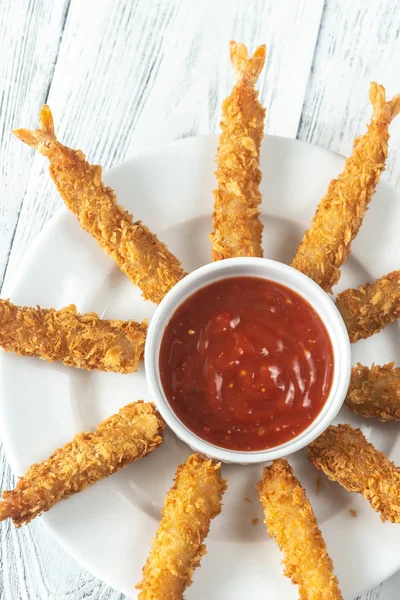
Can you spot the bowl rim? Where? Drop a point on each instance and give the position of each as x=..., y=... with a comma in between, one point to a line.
x=271, y=270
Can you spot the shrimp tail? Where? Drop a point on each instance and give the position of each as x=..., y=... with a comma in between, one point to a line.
x=42, y=138
x=247, y=69
x=383, y=110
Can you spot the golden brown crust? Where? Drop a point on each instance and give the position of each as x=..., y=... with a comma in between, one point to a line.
x=132, y=433
x=81, y=341
x=371, y=307
x=374, y=392
x=178, y=546
x=236, y=223
x=326, y=245
x=291, y=521
x=138, y=253
x=345, y=456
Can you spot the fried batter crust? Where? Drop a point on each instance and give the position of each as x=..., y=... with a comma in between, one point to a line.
x=339, y=216
x=82, y=341
x=132, y=433
x=291, y=521
x=371, y=307
x=374, y=392
x=236, y=223
x=178, y=546
x=138, y=253
x=345, y=456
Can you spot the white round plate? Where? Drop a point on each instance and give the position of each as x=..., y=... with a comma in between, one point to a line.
x=109, y=527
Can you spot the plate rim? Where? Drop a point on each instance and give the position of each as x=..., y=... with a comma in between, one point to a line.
x=57, y=219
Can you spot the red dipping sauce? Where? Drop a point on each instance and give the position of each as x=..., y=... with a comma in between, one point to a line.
x=246, y=363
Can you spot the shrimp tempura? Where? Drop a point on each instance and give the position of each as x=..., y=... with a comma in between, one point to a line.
x=138, y=253
x=374, y=392
x=290, y=519
x=132, y=433
x=345, y=456
x=178, y=546
x=326, y=245
x=81, y=341
x=371, y=307
x=236, y=223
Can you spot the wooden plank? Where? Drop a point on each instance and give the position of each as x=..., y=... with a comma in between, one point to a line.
x=100, y=83
x=195, y=74
x=146, y=73
x=359, y=42
x=30, y=33
x=386, y=591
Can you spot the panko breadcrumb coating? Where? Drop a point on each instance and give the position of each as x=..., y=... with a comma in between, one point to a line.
x=345, y=456
x=82, y=341
x=374, y=392
x=371, y=307
x=138, y=253
x=290, y=519
x=236, y=223
x=178, y=546
x=132, y=433
x=326, y=245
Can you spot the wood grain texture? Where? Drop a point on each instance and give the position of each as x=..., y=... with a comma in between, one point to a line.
x=101, y=81
x=150, y=72
x=359, y=42
x=122, y=77
x=195, y=74
x=26, y=68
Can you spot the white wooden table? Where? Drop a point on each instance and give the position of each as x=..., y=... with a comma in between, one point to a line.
x=125, y=75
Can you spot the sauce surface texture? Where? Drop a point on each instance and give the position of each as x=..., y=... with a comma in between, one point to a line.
x=246, y=363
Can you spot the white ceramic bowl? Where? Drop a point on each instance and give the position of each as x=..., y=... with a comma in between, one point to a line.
x=273, y=271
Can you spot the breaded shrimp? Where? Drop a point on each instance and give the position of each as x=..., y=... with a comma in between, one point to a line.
x=290, y=519
x=371, y=307
x=236, y=223
x=345, y=456
x=326, y=245
x=374, y=392
x=132, y=433
x=138, y=253
x=82, y=341
x=178, y=546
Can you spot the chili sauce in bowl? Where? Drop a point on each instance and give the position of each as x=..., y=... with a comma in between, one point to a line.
x=247, y=360
x=246, y=363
